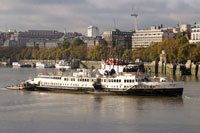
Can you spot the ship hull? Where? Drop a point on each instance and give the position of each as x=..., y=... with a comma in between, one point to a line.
x=156, y=92
x=63, y=89
x=135, y=91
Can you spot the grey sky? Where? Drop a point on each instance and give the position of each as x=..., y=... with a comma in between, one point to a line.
x=77, y=15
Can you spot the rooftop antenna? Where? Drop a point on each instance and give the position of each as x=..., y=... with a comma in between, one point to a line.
x=65, y=31
x=134, y=14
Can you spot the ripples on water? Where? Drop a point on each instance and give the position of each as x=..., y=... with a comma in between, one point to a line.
x=36, y=112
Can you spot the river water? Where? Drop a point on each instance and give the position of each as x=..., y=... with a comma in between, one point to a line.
x=39, y=112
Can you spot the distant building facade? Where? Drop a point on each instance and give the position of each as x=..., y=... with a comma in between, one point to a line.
x=144, y=38
x=185, y=28
x=93, y=41
x=33, y=38
x=93, y=31
x=2, y=38
x=117, y=37
x=70, y=36
x=195, y=34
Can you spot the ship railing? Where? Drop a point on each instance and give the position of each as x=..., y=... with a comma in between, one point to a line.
x=171, y=85
x=162, y=85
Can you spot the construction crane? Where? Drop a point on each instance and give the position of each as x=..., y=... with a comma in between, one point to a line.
x=134, y=14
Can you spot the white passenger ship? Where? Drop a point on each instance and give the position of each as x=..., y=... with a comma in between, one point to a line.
x=124, y=83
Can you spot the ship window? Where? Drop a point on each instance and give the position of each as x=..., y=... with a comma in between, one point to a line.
x=104, y=80
x=124, y=81
x=120, y=80
x=132, y=80
x=115, y=81
x=87, y=80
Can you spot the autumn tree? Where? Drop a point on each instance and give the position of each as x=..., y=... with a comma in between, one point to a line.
x=98, y=52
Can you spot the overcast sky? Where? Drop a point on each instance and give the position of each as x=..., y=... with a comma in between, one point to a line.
x=77, y=15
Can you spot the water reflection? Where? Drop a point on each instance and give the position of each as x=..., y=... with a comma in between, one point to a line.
x=98, y=98
x=135, y=102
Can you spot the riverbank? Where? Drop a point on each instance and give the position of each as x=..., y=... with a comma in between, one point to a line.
x=168, y=68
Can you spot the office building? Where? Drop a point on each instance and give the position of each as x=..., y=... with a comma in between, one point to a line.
x=144, y=38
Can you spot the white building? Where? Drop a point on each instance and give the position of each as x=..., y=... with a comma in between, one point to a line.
x=93, y=31
x=185, y=28
x=144, y=38
x=195, y=34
